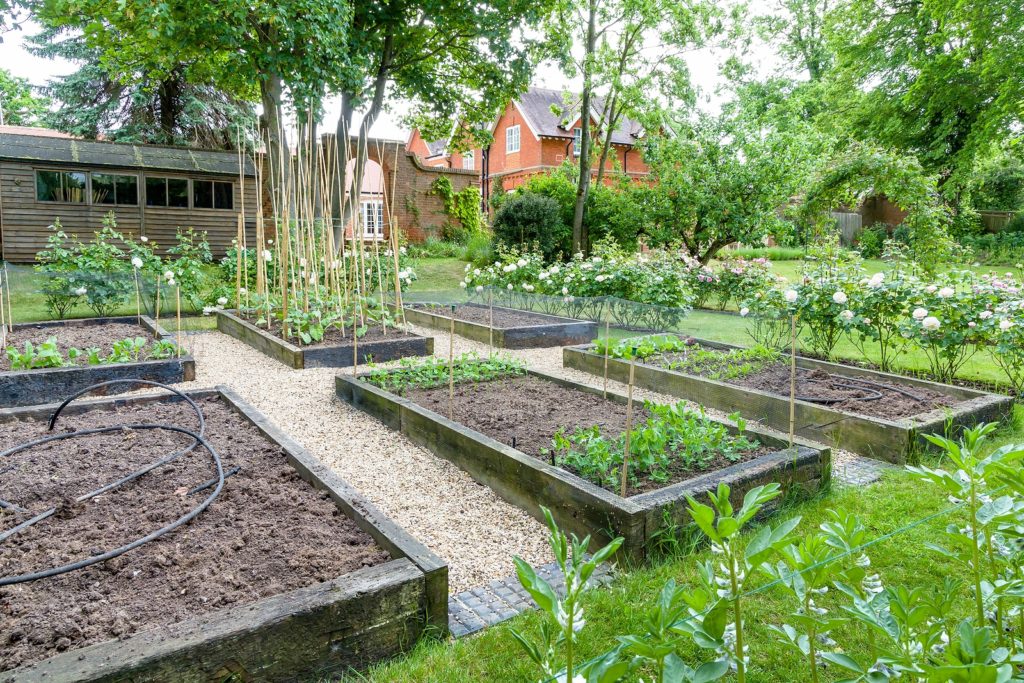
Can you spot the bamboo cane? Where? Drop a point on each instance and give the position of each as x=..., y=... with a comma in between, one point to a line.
x=238, y=263
x=177, y=306
x=629, y=429
x=607, y=345
x=138, y=297
x=156, y=310
x=792, y=385
x=10, y=297
x=451, y=366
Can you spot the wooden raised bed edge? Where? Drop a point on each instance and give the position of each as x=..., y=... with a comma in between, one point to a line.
x=559, y=332
x=349, y=622
x=325, y=356
x=892, y=440
x=43, y=385
x=578, y=505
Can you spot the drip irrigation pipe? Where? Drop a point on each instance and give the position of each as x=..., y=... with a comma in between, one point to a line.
x=209, y=484
x=860, y=384
x=198, y=438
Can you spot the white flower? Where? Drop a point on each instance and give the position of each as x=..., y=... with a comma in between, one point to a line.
x=757, y=295
x=528, y=288
x=172, y=283
x=242, y=290
x=920, y=313
x=509, y=268
x=867, y=321
x=744, y=311
x=207, y=310
x=466, y=269
x=468, y=278
x=972, y=324
x=565, y=291
x=930, y=289
x=930, y=323
x=1004, y=325
x=876, y=280
x=479, y=288
x=462, y=284
x=509, y=287
x=554, y=270
x=136, y=262
x=144, y=238
x=270, y=241
x=168, y=275
x=846, y=315
x=542, y=275
x=80, y=291
x=839, y=297
x=985, y=315
x=599, y=278
x=946, y=292
x=302, y=262
x=521, y=263
x=791, y=295
x=476, y=271
x=267, y=255
x=222, y=301
x=596, y=259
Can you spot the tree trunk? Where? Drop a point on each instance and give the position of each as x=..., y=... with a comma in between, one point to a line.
x=579, y=233
x=278, y=176
x=611, y=122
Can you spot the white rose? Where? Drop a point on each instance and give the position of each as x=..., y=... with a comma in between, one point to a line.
x=555, y=270
x=876, y=280
x=839, y=297
x=267, y=255
x=985, y=315
x=867, y=321
x=744, y=311
x=479, y=288
x=521, y=263
x=946, y=292
x=509, y=288
x=846, y=315
x=791, y=295
x=1004, y=325
x=136, y=262
x=168, y=275
x=930, y=289
x=972, y=324
x=222, y=301
x=462, y=284
x=930, y=323
x=80, y=291
x=600, y=278
x=565, y=291
x=476, y=271
x=144, y=238
x=920, y=313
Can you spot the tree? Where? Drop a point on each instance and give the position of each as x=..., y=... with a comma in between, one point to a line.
x=629, y=53
x=174, y=111
x=452, y=59
x=942, y=78
x=19, y=106
x=723, y=179
x=800, y=30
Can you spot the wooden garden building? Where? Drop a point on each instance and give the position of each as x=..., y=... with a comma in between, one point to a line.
x=153, y=191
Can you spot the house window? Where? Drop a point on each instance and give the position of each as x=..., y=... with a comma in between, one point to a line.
x=172, y=192
x=60, y=186
x=577, y=141
x=511, y=139
x=467, y=160
x=373, y=219
x=213, y=194
x=115, y=189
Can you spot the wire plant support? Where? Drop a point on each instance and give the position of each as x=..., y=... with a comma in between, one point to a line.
x=198, y=439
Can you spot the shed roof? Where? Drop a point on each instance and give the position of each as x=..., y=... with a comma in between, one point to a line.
x=73, y=152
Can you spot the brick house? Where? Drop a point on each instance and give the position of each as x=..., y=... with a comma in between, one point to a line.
x=537, y=132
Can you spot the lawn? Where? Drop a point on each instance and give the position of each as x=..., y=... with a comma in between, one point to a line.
x=622, y=607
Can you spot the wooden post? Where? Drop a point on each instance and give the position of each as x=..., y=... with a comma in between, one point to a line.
x=238, y=264
x=3, y=320
x=177, y=305
x=629, y=428
x=490, y=322
x=138, y=297
x=156, y=310
x=607, y=346
x=792, y=385
x=10, y=311
x=451, y=365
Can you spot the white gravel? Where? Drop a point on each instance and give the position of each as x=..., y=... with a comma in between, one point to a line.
x=442, y=506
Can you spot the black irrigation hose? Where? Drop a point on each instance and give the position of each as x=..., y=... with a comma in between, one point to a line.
x=197, y=439
x=864, y=385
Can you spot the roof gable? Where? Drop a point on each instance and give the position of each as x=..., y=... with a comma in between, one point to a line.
x=537, y=105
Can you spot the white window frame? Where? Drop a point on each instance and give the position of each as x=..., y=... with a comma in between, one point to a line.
x=467, y=160
x=512, y=139
x=373, y=219
x=577, y=141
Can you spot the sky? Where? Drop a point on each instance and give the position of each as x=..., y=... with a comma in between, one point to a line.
x=704, y=72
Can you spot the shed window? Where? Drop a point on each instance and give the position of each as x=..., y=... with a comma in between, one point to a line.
x=115, y=189
x=171, y=192
x=213, y=194
x=60, y=186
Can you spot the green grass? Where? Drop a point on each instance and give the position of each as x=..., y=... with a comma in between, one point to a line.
x=436, y=274
x=622, y=607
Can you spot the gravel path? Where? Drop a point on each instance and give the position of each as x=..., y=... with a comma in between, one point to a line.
x=459, y=519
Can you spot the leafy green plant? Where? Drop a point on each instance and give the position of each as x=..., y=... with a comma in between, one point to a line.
x=433, y=372
x=104, y=270
x=57, y=263
x=127, y=350
x=44, y=355
x=162, y=349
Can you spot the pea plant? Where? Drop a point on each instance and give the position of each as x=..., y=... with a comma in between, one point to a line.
x=432, y=372
x=673, y=437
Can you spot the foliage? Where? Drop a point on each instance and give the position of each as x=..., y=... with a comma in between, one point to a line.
x=57, y=262
x=1001, y=248
x=128, y=350
x=192, y=254
x=685, y=355
x=526, y=218
x=673, y=438
x=999, y=183
x=432, y=372
x=463, y=206
x=871, y=240
x=103, y=269
x=18, y=104
x=44, y=355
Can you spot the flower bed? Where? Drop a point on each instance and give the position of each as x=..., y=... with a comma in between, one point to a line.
x=830, y=408
x=503, y=448
x=288, y=573
x=65, y=356
x=328, y=353
x=512, y=329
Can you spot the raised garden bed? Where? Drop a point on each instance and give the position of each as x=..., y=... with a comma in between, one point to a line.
x=513, y=329
x=288, y=574
x=44, y=385
x=500, y=426
x=333, y=352
x=875, y=414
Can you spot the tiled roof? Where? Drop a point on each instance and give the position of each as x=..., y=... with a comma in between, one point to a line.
x=539, y=105
x=30, y=147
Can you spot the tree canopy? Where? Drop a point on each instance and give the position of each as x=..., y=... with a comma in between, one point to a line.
x=18, y=103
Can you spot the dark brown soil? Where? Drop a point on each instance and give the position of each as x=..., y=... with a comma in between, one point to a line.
x=334, y=337
x=504, y=318
x=268, y=531
x=818, y=384
x=531, y=410
x=78, y=336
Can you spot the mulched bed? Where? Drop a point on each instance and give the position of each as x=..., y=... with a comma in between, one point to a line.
x=503, y=317
x=78, y=336
x=531, y=410
x=334, y=337
x=267, y=533
x=774, y=378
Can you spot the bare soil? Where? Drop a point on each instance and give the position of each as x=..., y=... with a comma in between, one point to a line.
x=840, y=392
x=77, y=336
x=504, y=318
x=267, y=532
x=526, y=412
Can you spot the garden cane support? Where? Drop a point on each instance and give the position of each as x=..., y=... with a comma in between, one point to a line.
x=629, y=428
x=156, y=310
x=607, y=345
x=792, y=382
x=451, y=365
x=177, y=306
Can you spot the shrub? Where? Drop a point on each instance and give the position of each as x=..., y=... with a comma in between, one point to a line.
x=871, y=240
x=528, y=218
x=104, y=270
x=57, y=263
x=479, y=249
